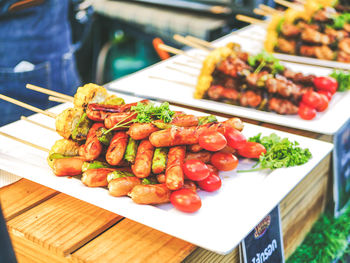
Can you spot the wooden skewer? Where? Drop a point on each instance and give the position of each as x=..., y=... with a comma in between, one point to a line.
x=250, y=20
x=173, y=81
x=27, y=106
x=182, y=71
x=200, y=42
x=186, y=65
x=56, y=99
x=269, y=9
x=190, y=43
x=289, y=5
x=50, y=92
x=37, y=123
x=176, y=51
x=261, y=12
x=24, y=142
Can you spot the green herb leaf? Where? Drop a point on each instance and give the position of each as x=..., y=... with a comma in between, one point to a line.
x=343, y=79
x=265, y=59
x=148, y=112
x=340, y=20
x=279, y=153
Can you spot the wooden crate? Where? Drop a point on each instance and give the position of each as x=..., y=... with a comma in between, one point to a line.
x=47, y=226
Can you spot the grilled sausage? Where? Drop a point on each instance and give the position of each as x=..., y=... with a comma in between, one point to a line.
x=150, y=194
x=96, y=177
x=143, y=161
x=203, y=156
x=68, y=166
x=140, y=131
x=116, y=149
x=119, y=118
x=122, y=186
x=92, y=147
x=174, y=176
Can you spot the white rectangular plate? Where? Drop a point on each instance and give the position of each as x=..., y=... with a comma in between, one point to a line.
x=226, y=216
x=140, y=84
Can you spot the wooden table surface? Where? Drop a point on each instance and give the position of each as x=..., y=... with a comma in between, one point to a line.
x=48, y=226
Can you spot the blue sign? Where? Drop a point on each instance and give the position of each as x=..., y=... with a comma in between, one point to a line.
x=341, y=168
x=264, y=243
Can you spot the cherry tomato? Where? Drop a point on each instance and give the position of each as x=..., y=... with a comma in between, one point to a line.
x=323, y=105
x=252, y=150
x=235, y=138
x=224, y=161
x=196, y=170
x=305, y=112
x=185, y=200
x=312, y=99
x=211, y=183
x=326, y=83
x=212, y=140
x=327, y=93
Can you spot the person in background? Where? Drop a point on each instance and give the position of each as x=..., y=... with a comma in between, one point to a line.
x=35, y=47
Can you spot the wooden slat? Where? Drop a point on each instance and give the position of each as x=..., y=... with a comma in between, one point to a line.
x=129, y=241
x=205, y=256
x=21, y=196
x=62, y=224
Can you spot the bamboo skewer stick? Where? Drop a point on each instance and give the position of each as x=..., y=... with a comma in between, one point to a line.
x=289, y=5
x=186, y=65
x=56, y=99
x=27, y=106
x=50, y=92
x=37, y=123
x=190, y=43
x=24, y=142
x=176, y=51
x=200, y=42
x=173, y=81
x=269, y=9
x=250, y=20
x=182, y=71
x=261, y=12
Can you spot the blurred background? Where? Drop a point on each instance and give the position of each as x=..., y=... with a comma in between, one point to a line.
x=120, y=39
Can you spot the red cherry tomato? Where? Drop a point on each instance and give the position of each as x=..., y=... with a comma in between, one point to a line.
x=305, y=112
x=326, y=83
x=323, y=105
x=212, y=141
x=252, y=150
x=224, y=161
x=235, y=138
x=211, y=183
x=196, y=170
x=311, y=98
x=327, y=93
x=186, y=200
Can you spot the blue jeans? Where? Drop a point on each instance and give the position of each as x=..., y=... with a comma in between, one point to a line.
x=40, y=35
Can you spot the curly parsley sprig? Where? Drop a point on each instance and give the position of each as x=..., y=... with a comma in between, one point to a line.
x=145, y=113
x=265, y=59
x=279, y=153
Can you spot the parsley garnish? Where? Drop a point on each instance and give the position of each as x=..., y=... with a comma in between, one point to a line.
x=149, y=112
x=265, y=59
x=340, y=20
x=343, y=79
x=279, y=153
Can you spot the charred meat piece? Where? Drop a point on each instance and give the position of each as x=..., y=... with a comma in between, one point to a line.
x=283, y=87
x=344, y=45
x=307, y=51
x=217, y=92
x=324, y=52
x=302, y=25
x=343, y=57
x=313, y=36
x=299, y=77
x=324, y=14
x=286, y=46
x=282, y=106
x=250, y=98
x=347, y=28
x=257, y=79
x=289, y=30
x=336, y=34
x=233, y=67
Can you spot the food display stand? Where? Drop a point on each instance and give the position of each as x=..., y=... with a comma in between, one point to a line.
x=52, y=220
